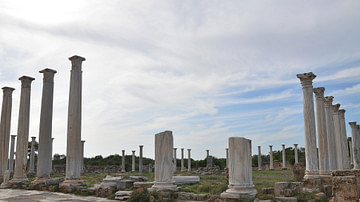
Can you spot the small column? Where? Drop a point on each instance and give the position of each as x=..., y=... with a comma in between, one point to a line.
x=259, y=158
x=12, y=152
x=189, y=160
x=32, y=157
x=175, y=160
x=271, y=158
x=355, y=147
x=312, y=169
x=182, y=160
x=351, y=153
x=344, y=142
x=208, y=164
x=283, y=157
x=5, y=129
x=45, y=130
x=133, y=161
x=20, y=175
x=296, y=154
x=82, y=155
x=330, y=133
x=338, y=138
x=227, y=157
x=240, y=171
x=141, y=158
x=163, y=162
x=123, y=162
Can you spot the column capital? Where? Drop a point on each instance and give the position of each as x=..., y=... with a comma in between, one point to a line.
x=227, y=149
x=26, y=81
x=189, y=149
x=76, y=60
x=182, y=149
x=328, y=101
x=175, y=148
x=335, y=108
x=141, y=146
x=319, y=92
x=33, y=138
x=133, y=151
x=306, y=79
x=13, y=136
x=295, y=145
x=259, y=147
x=342, y=113
x=48, y=74
x=7, y=90
x=352, y=124
x=83, y=141
x=270, y=146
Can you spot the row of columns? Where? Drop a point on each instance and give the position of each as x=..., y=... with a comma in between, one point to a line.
x=182, y=167
x=272, y=157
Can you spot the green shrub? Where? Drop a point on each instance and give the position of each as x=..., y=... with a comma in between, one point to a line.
x=139, y=195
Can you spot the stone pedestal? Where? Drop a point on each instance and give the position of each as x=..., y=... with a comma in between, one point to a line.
x=182, y=159
x=189, y=160
x=330, y=130
x=344, y=142
x=123, y=162
x=133, y=161
x=296, y=153
x=259, y=158
x=12, y=152
x=240, y=171
x=345, y=185
x=175, y=160
x=271, y=158
x=355, y=147
x=141, y=158
x=283, y=157
x=32, y=157
x=338, y=138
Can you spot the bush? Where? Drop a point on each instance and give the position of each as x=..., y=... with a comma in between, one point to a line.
x=139, y=195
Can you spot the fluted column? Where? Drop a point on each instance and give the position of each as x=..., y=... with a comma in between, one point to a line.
x=338, y=138
x=23, y=131
x=45, y=129
x=312, y=168
x=182, y=159
x=141, y=158
x=283, y=157
x=227, y=157
x=12, y=152
x=344, y=141
x=259, y=158
x=5, y=126
x=189, y=160
x=355, y=136
x=175, y=159
x=123, y=162
x=271, y=158
x=296, y=154
x=133, y=161
x=32, y=156
x=321, y=131
x=331, y=141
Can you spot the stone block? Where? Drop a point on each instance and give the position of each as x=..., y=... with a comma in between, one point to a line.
x=139, y=178
x=124, y=184
x=268, y=190
x=344, y=188
x=286, y=199
x=287, y=188
x=298, y=171
x=123, y=195
x=143, y=184
x=186, y=179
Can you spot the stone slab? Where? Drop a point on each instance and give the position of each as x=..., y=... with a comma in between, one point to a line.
x=186, y=179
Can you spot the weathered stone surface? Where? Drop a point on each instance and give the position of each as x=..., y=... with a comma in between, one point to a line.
x=287, y=188
x=123, y=195
x=186, y=179
x=143, y=184
x=191, y=196
x=344, y=188
x=286, y=199
x=268, y=190
x=298, y=171
x=139, y=178
x=70, y=186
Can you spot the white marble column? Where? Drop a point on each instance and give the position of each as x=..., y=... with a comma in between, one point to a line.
x=141, y=158
x=271, y=158
x=355, y=144
x=259, y=158
x=182, y=160
x=20, y=175
x=45, y=130
x=240, y=171
x=82, y=156
x=283, y=157
x=73, y=147
x=189, y=160
x=32, y=156
x=133, y=161
x=175, y=159
x=330, y=133
x=163, y=162
x=12, y=152
x=227, y=157
x=344, y=142
x=338, y=138
x=123, y=162
x=296, y=154
x=312, y=169
x=5, y=125
x=321, y=132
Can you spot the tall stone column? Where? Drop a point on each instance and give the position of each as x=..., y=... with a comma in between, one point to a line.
x=240, y=171
x=227, y=157
x=344, y=142
x=45, y=129
x=338, y=138
x=271, y=158
x=312, y=169
x=321, y=132
x=20, y=175
x=175, y=159
x=82, y=155
x=163, y=162
x=355, y=144
x=141, y=158
x=32, y=156
x=283, y=157
x=123, y=162
x=133, y=161
x=259, y=158
x=330, y=133
x=5, y=126
x=296, y=154
x=189, y=160
x=351, y=154
x=182, y=160
x=12, y=152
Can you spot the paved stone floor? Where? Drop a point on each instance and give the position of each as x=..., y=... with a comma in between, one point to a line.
x=19, y=195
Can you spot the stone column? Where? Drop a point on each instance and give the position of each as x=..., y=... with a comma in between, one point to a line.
x=283, y=157
x=133, y=161
x=296, y=154
x=123, y=162
x=351, y=153
x=259, y=157
x=312, y=169
x=20, y=175
x=271, y=158
x=330, y=133
x=338, y=139
x=227, y=157
x=240, y=171
x=207, y=159
x=82, y=155
x=5, y=126
x=321, y=132
x=12, y=151
x=141, y=158
x=163, y=162
x=189, y=160
x=175, y=159
x=344, y=141
x=355, y=144
x=73, y=148
x=32, y=157
x=45, y=130
x=182, y=159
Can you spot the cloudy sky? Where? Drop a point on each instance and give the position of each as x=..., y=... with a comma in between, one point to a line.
x=207, y=70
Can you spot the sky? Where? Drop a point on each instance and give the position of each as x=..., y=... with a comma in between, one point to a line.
x=206, y=70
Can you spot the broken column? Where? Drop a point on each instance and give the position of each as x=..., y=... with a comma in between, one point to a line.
x=12, y=152
x=283, y=157
x=259, y=157
x=20, y=176
x=344, y=141
x=123, y=162
x=330, y=133
x=182, y=159
x=240, y=171
x=5, y=125
x=32, y=156
x=141, y=158
x=133, y=161
x=271, y=158
x=296, y=154
x=338, y=139
x=175, y=159
x=189, y=160
x=355, y=144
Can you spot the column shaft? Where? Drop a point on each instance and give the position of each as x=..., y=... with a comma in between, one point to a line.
x=283, y=157
x=175, y=160
x=182, y=159
x=227, y=157
x=330, y=129
x=338, y=138
x=32, y=156
x=259, y=158
x=133, y=161
x=12, y=151
x=344, y=141
x=123, y=161
x=271, y=158
x=296, y=154
x=189, y=160
x=141, y=158
x=355, y=144
x=82, y=156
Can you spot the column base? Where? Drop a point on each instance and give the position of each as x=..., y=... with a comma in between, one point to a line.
x=163, y=186
x=312, y=182
x=72, y=185
x=19, y=183
x=239, y=192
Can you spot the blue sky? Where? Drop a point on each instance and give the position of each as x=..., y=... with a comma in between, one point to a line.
x=207, y=70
